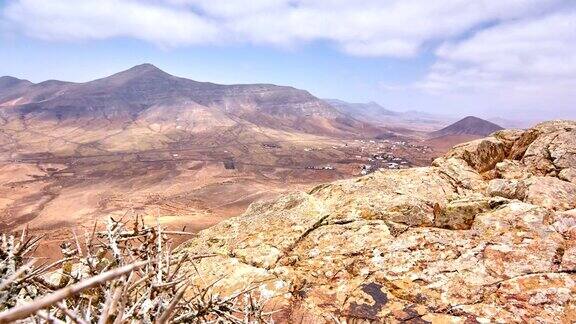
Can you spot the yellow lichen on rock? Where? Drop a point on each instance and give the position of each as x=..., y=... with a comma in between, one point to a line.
x=486, y=234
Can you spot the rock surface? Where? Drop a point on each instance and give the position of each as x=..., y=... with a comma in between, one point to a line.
x=486, y=234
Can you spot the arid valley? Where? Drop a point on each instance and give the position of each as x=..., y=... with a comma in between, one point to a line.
x=287, y=161
x=143, y=142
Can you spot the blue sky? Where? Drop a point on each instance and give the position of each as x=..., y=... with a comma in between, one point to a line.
x=515, y=59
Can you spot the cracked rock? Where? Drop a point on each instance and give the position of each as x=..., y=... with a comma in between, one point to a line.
x=507, y=188
x=551, y=193
x=441, y=244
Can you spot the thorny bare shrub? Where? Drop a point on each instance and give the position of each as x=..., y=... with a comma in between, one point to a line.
x=126, y=273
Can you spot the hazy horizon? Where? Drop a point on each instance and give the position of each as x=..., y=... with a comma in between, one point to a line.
x=515, y=60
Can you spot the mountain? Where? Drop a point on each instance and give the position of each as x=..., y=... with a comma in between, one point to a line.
x=468, y=126
x=134, y=91
x=406, y=122
x=362, y=111
x=143, y=139
x=152, y=108
x=7, y=82
x=438, y=244
x=12, y=85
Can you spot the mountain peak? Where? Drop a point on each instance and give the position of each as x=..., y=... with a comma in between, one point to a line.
x=473, y=119
x=144, y=68
x=8, y=81
x=470, y=125
x=136, y=73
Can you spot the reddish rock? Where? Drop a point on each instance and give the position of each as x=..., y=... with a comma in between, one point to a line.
x=440, y=244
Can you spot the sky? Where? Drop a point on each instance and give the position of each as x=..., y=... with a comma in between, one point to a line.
x=514, y=59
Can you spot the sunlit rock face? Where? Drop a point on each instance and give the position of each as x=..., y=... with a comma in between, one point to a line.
x=486, y=234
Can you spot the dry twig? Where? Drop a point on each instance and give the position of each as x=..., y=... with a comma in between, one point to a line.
x=125, y=273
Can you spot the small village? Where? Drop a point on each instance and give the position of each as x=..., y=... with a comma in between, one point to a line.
x=373, y=155
x=384, y=161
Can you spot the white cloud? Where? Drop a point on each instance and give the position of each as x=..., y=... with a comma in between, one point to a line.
x=398, y=28
x=544, y=47
x=230, y=9
x=101, y=19
x=526, y=62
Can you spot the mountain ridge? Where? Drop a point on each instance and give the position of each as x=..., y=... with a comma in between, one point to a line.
x=409, y=122
x=367, y=110
x=144, y=94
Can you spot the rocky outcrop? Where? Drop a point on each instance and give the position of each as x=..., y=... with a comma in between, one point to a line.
x=551, y=193
x=485, y=234
x=507, y=188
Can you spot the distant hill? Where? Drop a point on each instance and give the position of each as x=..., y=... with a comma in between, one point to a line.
x=400, y=121
x=369, y=110
x=468, y=126
x=147, y=106
x=8, y=82
x=132, y=93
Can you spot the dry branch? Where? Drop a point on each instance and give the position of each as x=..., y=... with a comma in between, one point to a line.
x=125, y=273
x=46, y=301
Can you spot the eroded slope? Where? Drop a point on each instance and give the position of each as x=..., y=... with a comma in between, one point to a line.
x=488, y=233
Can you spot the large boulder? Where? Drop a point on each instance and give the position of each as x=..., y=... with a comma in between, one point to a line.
x=482, y=154
x=507, y=188
x=551, y=193
x=553, y=150
x=485, y=234
x=511, y=169
x=565, y=224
